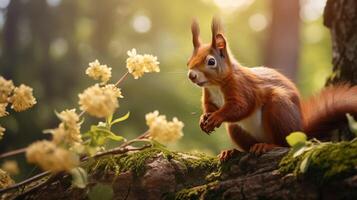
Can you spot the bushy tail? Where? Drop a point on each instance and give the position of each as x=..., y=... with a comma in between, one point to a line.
x=326, y=110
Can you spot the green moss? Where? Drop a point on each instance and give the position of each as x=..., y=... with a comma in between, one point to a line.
x=327, y=162
x=135, y=161
x=196, y=161
x=199, y=192
x=208, y=190
x=191, y=193
x=224, y=168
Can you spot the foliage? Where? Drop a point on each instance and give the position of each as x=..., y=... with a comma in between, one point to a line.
x=295, y=138
x=321, y=161
x=352, y=124
x=98, y=135
x=68, y=145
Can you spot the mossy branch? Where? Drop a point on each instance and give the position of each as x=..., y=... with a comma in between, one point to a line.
x=158, y=173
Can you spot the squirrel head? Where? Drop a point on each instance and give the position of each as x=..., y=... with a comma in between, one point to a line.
x=210, y=63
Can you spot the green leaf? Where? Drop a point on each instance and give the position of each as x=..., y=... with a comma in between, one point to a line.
x=97, y=136
x=352, y=123
x=79, y=177
x=299, y=151
x=302, y=150
x=109, y=135
x=109, y=119
x=91, y=150
x=305, y=164
x=126, y=116
x=115, y=137
x=93, y=128
x=296, y=138
x=101, y=191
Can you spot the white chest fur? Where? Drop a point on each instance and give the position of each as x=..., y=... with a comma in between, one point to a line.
x=252, y=124
x=216, y=96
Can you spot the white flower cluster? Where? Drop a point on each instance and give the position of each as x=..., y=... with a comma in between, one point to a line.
x=2, y=131
x=162, y=130
x=139, y=64
x=54, y=155
x=11, y=167
x=51, y=157
x=68, y=131
x=99, y=72
x=99, y=101
x=20, y=97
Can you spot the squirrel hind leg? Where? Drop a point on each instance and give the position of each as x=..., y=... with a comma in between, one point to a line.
x=240, y=137
x=281, y=117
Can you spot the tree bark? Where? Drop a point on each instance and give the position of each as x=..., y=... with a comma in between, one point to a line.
x=340, y=17
x=184, y=177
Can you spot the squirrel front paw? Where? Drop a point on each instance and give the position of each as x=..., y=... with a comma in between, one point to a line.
x=210, y=121
x=203, y=119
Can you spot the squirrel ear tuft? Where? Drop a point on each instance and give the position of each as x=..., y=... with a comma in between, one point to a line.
x=195, y=34
x=216, y=25
x=218, y=39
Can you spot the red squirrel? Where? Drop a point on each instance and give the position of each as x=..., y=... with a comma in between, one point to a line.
x=259, y=105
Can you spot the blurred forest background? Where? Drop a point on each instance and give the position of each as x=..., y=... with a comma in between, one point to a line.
x=47, y=44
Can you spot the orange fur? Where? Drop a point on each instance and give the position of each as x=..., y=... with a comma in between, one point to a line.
x=325, y=111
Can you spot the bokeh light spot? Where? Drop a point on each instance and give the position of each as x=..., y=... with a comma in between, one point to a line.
x=231, y=5
x=141, y=24
x=4, y=3
x=258, y=22
x=53, y=3
x=312, y=10
x=58, y=48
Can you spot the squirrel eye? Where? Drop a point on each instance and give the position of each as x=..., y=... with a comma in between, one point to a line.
x=211, y=62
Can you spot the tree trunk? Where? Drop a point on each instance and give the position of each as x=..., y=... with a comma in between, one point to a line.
x=282, y=48
x=10, y=38
x=340, y=17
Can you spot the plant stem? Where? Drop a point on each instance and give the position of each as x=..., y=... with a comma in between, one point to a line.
x=122, y=78
x=13, y=153
x=29, y=180
x=82, y=113
x=120, y=150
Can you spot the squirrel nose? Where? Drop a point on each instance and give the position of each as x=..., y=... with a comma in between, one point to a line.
x=192, y=75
